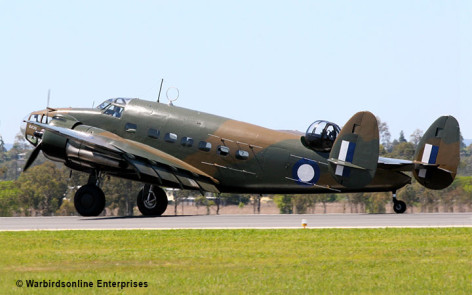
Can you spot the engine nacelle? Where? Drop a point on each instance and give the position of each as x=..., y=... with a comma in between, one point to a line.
x=320, y=136
x=53, y=145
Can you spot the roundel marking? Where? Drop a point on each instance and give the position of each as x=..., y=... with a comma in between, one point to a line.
x=306, y=171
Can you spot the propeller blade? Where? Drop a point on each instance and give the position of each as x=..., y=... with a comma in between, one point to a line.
x=32, y=157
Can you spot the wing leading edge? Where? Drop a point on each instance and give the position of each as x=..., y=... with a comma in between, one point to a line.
x=151, y=165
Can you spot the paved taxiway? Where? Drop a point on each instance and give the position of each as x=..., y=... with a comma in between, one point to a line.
x=238, y=221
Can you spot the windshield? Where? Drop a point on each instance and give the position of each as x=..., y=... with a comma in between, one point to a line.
x=117, y=101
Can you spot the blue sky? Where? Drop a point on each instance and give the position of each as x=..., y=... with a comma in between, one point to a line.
x=279, y=64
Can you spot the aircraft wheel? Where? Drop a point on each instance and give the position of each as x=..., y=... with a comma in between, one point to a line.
x=152, y=200
x=89, y=200
x=399, y=207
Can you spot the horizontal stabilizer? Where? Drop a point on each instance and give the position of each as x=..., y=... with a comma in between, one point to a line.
x=345, y=164
x=354, y=156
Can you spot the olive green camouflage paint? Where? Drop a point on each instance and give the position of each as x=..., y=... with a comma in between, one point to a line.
x=444, y=134
x=272, y=154
x=362, y=131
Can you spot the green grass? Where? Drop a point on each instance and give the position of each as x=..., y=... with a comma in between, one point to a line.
x=311, y=261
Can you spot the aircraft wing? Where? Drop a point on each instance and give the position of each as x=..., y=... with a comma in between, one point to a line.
x=151, y=164
x=395, y=164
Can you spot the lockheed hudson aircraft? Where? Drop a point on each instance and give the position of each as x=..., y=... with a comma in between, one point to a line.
x=162, y=145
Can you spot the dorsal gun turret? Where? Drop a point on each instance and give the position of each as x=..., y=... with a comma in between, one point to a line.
x=320, y=136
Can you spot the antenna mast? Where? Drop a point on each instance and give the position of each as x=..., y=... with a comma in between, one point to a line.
x=47, y=106
x=162, y=81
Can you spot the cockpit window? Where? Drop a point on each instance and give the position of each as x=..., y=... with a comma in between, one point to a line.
x=114, y=111
x=321, y=135
x=104, y=104
x=35, y=118
x=117, y=101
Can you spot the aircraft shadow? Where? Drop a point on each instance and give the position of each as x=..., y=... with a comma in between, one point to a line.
x=136, y=217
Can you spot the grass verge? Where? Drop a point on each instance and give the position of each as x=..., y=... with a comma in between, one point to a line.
x=311, y=261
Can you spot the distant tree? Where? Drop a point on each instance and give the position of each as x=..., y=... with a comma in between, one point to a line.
x=284, y=203
x=121, y=194
x=382, y=150
x=384, y=134
x=464, y=196
x=357, y=202
x=67, y=208
x=463, y=145
x=256, y=202
x=402, y=137
x=3, y=150
x=465, y=167
x=235, y=199
x=20, y=143
x=395, y=142
x=403, y=150
x=324, y=199
x=42, y=189
x=409, y=195
x=375, y=202
x=179, y=197
x=9, y=193
x=301, y=203
x=203, y=201
x=415, y=137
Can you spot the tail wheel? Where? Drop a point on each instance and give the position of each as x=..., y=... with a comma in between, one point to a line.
x=89, y=200
x=399, y=207
x=152, y=200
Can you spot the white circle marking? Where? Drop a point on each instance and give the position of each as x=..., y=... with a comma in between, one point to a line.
x=306, y=172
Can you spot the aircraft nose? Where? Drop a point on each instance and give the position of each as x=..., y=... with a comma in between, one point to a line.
x=29, y=130
x=23, y=124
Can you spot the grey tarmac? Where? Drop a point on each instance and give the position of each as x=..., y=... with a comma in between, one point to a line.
x=292, y=221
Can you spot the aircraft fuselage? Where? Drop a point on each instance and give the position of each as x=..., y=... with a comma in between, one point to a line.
x=245, y=158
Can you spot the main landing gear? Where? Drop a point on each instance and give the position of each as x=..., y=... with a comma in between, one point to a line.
x=152, y=200
x=89, y=200
x=398, y=206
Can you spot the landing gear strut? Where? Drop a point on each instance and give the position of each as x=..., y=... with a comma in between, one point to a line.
x=89, y=200
x=152, y=200
x=398, y=206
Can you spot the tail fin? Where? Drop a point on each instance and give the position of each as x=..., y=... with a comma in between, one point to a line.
x=355, y=153
x=438, y=154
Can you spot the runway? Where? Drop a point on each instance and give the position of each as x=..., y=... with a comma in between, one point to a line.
x=291, y=221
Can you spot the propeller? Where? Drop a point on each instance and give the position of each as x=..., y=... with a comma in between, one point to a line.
x=32, y=157
x=38, y=135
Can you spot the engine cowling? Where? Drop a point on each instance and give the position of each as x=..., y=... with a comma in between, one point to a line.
x=320, y=136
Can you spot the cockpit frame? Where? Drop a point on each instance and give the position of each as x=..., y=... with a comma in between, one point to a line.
x=321, y=135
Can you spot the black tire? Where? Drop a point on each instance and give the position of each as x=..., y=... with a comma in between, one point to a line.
x=399, y=207
x=89, y=200
x=156, y=206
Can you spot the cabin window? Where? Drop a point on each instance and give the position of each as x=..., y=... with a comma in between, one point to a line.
x=242, y=155
x=153, y=133
x=131, y=127
x=187, y=141
x=204, y=146
x=223, y=150
x=171, y=137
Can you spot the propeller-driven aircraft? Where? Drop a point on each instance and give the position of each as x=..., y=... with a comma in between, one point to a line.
x=163, y=145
